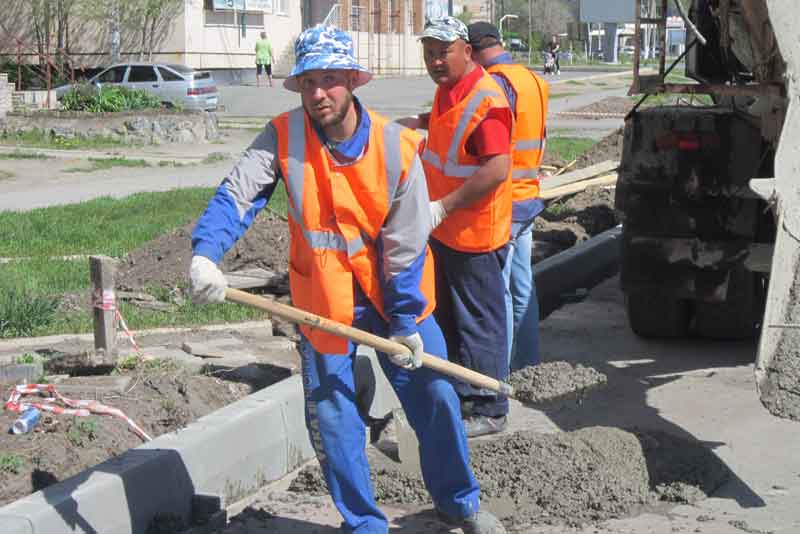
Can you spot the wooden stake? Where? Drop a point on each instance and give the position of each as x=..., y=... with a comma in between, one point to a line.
x=104, y=304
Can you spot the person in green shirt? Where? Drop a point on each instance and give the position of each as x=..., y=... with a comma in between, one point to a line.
x=264, y=59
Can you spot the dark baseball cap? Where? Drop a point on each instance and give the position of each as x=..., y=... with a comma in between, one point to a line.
x=478, y=31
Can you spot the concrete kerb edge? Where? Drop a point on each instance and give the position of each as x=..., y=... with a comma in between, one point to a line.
x=27, y=342
x=230, y=452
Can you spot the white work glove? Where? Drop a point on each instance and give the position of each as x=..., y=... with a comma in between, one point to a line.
x=414, y=359
x=438, y=213
x=207, y=281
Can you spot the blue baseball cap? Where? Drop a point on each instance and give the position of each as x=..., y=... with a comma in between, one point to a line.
x=321, y=48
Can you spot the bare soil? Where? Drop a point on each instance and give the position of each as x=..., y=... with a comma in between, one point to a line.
x=570, y=478
x=161, y=397
x=164, y=261
x=576, y=218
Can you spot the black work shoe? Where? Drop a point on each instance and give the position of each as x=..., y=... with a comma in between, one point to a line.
x=482, y=522
x=482, y=425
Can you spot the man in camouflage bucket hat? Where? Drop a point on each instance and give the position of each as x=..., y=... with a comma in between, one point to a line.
x=359, y=224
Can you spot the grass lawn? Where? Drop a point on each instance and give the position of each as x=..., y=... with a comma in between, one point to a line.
x=102, y=164
x=43, y=139
x=30, y=287
x=568, y=148
x=22, y=154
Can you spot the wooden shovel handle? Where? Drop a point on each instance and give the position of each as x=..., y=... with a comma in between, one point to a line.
x=298, y=316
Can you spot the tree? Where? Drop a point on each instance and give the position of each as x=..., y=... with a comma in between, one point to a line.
x=156, y=18
x=465, y=16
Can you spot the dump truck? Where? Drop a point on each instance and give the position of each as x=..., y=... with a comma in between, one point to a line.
x=709, y=187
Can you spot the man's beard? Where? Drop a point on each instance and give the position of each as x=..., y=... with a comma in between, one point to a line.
x=335, y=117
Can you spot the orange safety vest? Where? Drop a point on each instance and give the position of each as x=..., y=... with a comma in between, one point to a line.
x=529, y=128
x=486, y=225
x=336, y=212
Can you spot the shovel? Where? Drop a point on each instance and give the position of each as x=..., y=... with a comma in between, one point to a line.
x=297, y=316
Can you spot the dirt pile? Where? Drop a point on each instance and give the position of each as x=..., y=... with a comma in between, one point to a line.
x=608, y=148
x=551, y=381
x=164, y=261
x=575, y=218
x=613, y=105
x=160, y=397
x=572, y=478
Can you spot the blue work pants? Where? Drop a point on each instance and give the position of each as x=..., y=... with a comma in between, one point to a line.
x=520, y=296
x=471, y=309
x=337, y=430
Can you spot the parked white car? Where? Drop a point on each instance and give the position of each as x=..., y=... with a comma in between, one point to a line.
x=175, y=85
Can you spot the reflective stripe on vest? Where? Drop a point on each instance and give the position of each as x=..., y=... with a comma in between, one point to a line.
x=451, y=166
x=485, y=224
x=297, y=149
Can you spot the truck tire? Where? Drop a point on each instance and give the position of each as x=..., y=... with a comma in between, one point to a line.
x=651, y=314
x=739, y=316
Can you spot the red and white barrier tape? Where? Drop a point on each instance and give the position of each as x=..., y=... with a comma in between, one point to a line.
x=79, y=408
x=128, y=333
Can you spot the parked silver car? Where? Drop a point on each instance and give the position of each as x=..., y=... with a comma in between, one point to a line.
x=173, y=84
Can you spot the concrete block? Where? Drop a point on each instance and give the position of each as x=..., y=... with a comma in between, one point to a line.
x=89, y=384
x=192, y=363
x=213, y=349
x=21, y=373
x=374, y=393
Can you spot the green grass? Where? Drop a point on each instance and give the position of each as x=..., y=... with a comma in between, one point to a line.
x=11, y=463
x=101, y=226
x=22, y=154
x=30, y=288
x=562, y=95
x=43, y=139
x=568, y=148
x=5, y=175
x=215, y=157
x=102, y=164
x=574, y=82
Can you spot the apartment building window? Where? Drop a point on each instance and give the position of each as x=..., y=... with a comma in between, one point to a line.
x=282, y=7
x=226, y=17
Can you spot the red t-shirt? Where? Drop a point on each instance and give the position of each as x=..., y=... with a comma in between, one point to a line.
x=493, y=134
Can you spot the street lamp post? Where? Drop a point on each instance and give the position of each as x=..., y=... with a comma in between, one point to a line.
x=504, y=17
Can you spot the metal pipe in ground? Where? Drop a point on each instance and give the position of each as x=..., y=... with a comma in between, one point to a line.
x=582, y=266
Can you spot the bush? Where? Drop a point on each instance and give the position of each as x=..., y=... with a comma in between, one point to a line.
x=22, y=313
x=108, y=99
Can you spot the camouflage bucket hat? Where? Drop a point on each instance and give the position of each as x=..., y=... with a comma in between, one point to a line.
x=324, y=47
x=446, y=29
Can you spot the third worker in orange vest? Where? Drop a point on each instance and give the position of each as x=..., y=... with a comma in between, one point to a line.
x=527, y=95
x=467, y=166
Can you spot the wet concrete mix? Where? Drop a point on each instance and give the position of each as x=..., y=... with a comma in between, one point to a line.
x=552, y=381
x=571, y=478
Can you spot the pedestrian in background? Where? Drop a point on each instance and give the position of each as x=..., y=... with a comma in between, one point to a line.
x=467, y=166
x=554, y=47
x=527, y=95
x=264, y=59
x=359, y=223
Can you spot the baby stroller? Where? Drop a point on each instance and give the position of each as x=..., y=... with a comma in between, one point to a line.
x=549, y=62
